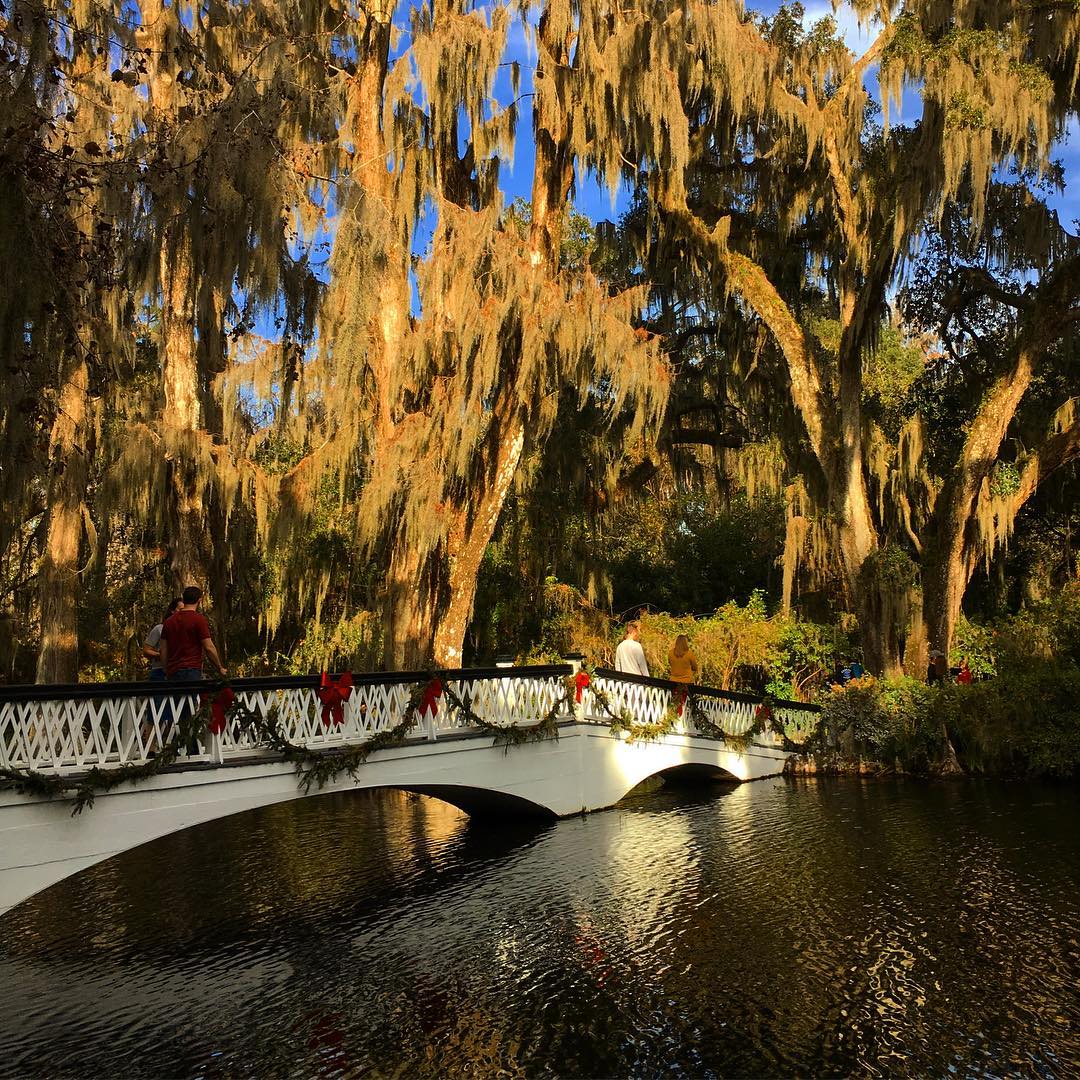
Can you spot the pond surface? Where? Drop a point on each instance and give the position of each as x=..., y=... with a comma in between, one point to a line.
x=777, y=928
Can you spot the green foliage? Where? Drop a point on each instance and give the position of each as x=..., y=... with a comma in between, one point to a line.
x=691, y=554
x=353, y=644
x=804, y=658
x=739, y=647
x=1004, y=480
x=891, y=569
x=974, y=643
x=890, y=371
x=1025, y=722
x=578, y=233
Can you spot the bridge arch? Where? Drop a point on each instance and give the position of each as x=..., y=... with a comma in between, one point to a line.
x=448, y=753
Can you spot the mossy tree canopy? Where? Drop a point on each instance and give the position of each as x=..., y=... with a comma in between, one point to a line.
x=273, y=325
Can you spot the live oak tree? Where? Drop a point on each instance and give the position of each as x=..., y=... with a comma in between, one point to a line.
x=797, y=223
x=157, y=156
x=455, y=394
x=61, y=314
x=176, y=359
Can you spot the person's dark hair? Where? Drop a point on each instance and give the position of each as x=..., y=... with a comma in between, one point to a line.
x=192, y=594
x=173, y=605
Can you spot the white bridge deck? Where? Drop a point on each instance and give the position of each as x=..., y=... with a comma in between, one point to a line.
x=65, y=731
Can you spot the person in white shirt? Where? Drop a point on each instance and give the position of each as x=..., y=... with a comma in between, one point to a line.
x=630, y=656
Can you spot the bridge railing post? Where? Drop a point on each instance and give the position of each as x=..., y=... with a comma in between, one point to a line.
x=576, y=660
x=429, y=722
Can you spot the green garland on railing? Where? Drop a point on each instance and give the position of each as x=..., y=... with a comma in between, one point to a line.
x=624, y=721
x=314, y=768
x=762, y=715
x=704, y=724
x=317, y=768
x=87, y=786
x=507, y=735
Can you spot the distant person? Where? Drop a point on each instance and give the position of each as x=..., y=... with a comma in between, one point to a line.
x=963, y=675
x=857, y=670
x=152, y=645
x=837, y=677
x=185, y=639
x=630, y=656
x=933, y=672
x=845, y=675
x=683, y=665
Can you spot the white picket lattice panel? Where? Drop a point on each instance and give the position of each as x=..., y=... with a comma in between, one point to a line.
x=70, y=735
x=645, y=704
x=732, y=716
x=797, y=724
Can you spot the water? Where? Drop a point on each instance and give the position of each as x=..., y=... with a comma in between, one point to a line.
x=776, y=928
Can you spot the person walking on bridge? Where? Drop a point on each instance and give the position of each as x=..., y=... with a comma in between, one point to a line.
x=682, y=663
x=630, y=656
x=185, y=639
x=152, y=644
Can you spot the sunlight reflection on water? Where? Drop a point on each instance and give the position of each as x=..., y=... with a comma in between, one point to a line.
x=775, y=928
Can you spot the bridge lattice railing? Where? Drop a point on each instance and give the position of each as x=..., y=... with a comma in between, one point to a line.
x=69, y=729
x=651, y=700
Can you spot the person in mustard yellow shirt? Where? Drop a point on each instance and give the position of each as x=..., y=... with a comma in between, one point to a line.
x=682, y=663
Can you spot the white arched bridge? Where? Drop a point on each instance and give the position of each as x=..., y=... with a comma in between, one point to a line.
x=64, y=732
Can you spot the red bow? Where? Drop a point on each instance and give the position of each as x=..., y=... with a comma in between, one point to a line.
x=682, y=701
x=430, y=701
x=763, y=713
x=581, y=680
x=334, y=691
x=222, y=702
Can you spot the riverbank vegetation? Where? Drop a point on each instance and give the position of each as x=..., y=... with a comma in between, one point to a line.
x=276, y=320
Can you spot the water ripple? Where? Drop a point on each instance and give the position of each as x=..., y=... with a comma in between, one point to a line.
x=778, y=928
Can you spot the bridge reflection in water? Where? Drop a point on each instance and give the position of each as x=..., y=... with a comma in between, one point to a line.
x=65, y=731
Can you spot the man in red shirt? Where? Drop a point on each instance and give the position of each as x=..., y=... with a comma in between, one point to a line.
x=185, y=637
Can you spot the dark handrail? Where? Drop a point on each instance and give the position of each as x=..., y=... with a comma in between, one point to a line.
x=700, y=691
x=82, y=691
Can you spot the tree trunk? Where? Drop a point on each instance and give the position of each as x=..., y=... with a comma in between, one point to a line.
x=467, y=541
x=58, y=659
x=478, y=515
x=188, y=534
x=188, y=542
x=410, y=610
x=948, y=561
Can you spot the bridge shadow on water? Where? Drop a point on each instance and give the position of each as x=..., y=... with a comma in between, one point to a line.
x=679, y=787
x=480, y=802
x=491, y=839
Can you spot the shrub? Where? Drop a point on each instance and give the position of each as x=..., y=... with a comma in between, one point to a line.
x=804, y=657
x=854, y=718
x=737, y=645
x=1026, y=722
x=915, y=732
